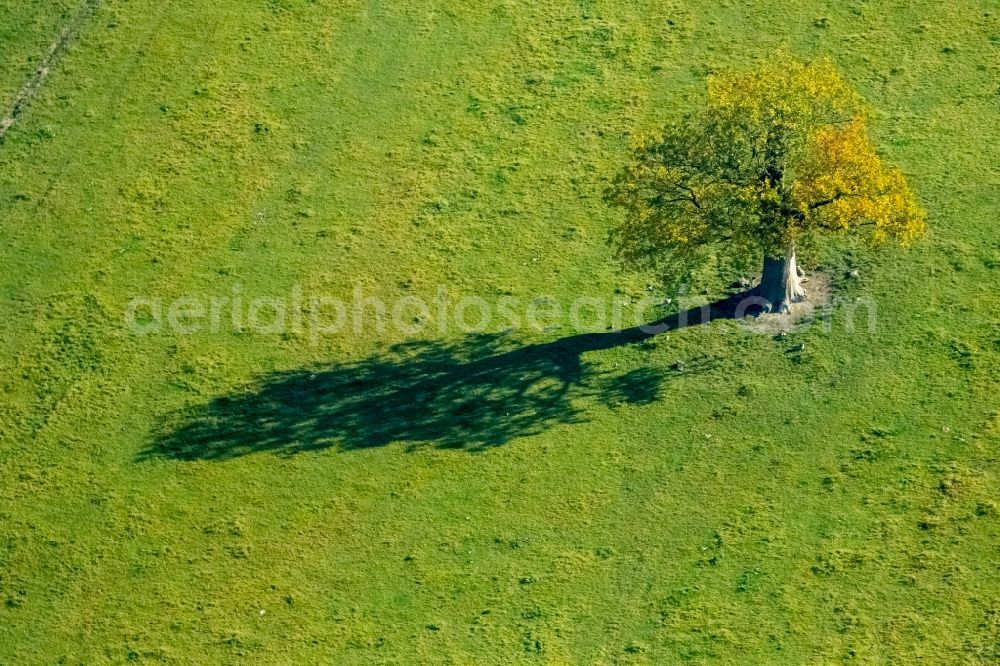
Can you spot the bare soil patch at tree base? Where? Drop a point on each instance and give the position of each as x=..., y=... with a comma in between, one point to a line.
x=818, y=296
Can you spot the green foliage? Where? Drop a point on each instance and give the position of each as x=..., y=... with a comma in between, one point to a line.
x=778, y=155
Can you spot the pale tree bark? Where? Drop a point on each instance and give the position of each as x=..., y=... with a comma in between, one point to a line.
x=780, y=284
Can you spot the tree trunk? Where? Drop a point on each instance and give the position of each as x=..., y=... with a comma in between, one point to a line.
x=780, y=284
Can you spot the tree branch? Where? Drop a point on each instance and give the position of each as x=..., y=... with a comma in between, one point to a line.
x=691, y=199
x=827, y=202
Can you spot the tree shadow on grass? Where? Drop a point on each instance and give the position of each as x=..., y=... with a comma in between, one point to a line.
x=480, y=392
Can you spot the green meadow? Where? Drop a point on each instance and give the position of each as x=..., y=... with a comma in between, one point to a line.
x=711, y=495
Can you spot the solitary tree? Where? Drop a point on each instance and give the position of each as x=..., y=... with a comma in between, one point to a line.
x=777, y=157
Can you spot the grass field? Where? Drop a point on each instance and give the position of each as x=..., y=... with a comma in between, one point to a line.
x=523, y=498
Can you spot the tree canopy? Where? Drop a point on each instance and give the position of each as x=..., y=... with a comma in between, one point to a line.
x=778, y=155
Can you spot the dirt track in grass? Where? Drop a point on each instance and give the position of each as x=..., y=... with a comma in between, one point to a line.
x=57, y=49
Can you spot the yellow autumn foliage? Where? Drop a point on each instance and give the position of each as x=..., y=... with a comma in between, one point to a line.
x=778, y=155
